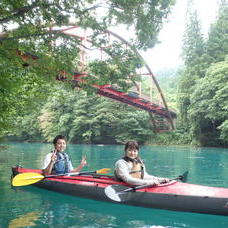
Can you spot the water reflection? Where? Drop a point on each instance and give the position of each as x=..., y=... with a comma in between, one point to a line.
x=57, y=210
x=27, y=219
x=205, y=165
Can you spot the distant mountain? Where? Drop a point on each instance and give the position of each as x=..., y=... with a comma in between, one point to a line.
x=168, y=78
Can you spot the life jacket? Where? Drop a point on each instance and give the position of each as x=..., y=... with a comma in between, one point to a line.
x=62, y=164
x=137, y=170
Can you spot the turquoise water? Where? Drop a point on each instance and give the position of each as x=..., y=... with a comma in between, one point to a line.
x=32, y=207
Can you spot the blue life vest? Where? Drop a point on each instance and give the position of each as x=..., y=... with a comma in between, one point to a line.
x=62, y=164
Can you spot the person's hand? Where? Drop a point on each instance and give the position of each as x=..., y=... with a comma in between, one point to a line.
x=54, y=156
x=164, y=180
x=83, y=161
x=153, y=182
x=156, y=182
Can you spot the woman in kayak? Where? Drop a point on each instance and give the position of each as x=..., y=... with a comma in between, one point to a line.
x=58, y=162
x=131, y=169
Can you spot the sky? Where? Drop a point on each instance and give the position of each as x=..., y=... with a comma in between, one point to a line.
x=167, y=54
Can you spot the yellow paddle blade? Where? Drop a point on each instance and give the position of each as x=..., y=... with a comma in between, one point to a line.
x=23, y=179
x=103, y=171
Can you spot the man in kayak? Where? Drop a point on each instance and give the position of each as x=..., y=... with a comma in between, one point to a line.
x=131, y=169
x=58, y=162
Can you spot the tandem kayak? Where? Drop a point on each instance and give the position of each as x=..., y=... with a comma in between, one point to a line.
x=174, y=195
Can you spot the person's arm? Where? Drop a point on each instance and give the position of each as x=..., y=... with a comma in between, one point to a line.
x=82, y=164
x=122, y=171
x=49, y=162
x=160, y=180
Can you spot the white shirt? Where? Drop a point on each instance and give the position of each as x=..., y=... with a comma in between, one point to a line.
x=123, y=169
x=47, y=160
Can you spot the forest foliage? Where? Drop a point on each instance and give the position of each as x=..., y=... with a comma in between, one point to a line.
x=36, y=107
x=202, y=93
x=33, y=51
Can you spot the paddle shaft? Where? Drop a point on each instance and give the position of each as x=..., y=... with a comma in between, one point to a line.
x=70, y=174
x=149, y=185
x=119, y=194
x=105, y=170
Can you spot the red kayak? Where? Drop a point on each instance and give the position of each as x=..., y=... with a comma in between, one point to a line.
x=175, y=195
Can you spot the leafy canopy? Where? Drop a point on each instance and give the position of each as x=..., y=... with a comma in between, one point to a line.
x=33, y=51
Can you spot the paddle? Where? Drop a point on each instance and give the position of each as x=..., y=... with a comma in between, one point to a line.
x=23, y=179
x=119, y=192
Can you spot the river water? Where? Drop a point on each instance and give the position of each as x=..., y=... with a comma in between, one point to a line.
x=33, y=207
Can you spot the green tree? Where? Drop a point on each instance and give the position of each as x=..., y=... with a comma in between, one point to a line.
x=30, y=47
x=217, y=44
x=194, y=69
x=92, y=119
x=201, y=91
x=57, y=114
x=209, y=106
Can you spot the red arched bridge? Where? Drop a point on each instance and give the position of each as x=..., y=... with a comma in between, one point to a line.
x=162, y=117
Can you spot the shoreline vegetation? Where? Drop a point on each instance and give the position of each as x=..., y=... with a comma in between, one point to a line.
x=4, y=144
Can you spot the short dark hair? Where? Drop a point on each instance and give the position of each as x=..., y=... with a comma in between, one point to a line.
x=132, y=145
x=59, y=137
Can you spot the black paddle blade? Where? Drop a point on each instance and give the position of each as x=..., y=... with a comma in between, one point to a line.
x=183, y=177
x=116, y=193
